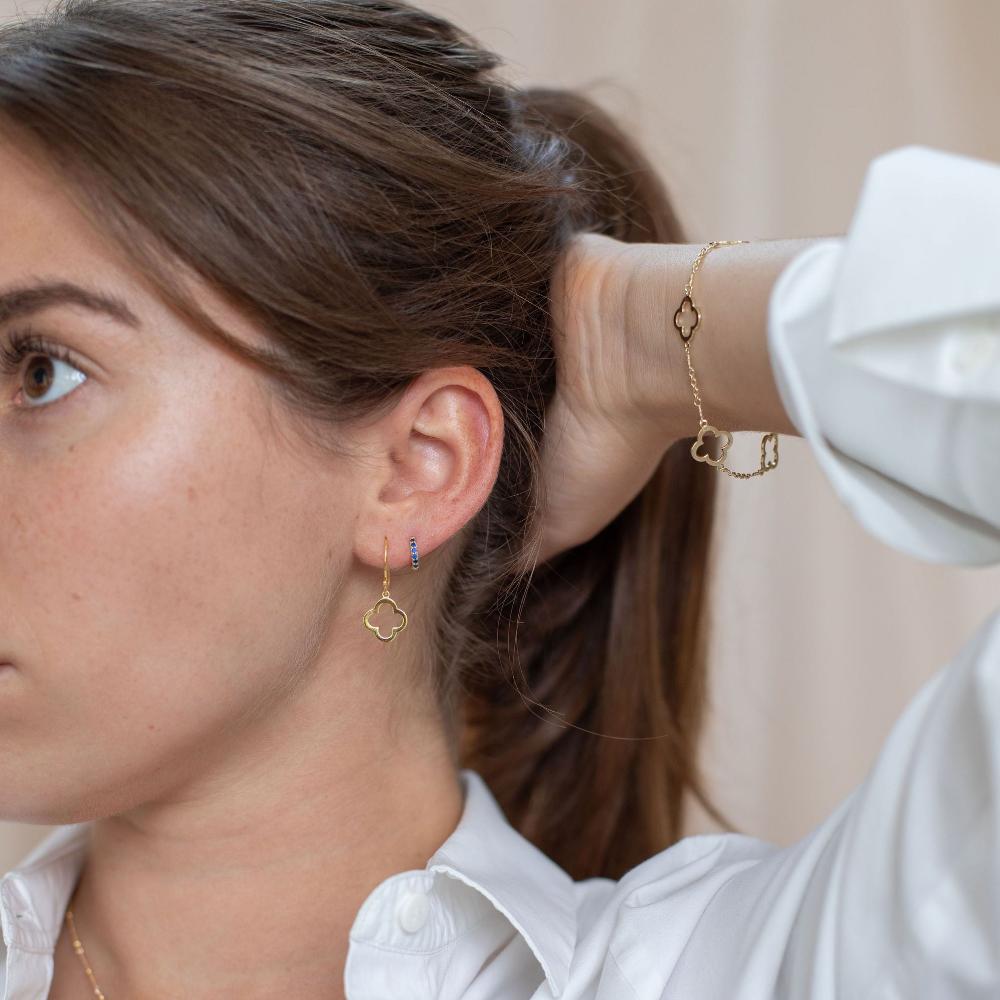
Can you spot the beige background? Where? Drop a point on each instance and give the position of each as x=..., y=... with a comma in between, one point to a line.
x=763, y=115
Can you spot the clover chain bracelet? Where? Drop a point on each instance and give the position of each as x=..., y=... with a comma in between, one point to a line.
x=687, y=320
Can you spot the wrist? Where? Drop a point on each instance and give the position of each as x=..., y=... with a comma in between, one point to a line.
x=729, y=350
x=661, y=387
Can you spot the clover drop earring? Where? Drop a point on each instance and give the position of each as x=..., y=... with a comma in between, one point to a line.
x=385, y=601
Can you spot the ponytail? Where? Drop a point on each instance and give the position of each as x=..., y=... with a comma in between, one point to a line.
x=610, y=636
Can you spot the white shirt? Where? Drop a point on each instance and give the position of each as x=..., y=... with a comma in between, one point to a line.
x=885, y=345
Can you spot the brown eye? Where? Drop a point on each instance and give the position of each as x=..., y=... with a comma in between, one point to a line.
x=47, y=365
x=43, y=372
x=38, y=376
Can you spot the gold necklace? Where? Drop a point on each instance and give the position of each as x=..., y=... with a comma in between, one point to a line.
x=78, y=948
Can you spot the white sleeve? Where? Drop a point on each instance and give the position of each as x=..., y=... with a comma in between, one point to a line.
x=885, y=347
x=895, y=896
x=900, y=891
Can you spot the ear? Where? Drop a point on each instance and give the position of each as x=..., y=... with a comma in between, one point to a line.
x=435, y=458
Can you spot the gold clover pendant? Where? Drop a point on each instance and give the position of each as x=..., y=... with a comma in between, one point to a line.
x=769, y=461
x=687, y=318
x=374, y=611
x=725, y=440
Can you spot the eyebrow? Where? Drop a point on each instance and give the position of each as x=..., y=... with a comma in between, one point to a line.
x=21, y=301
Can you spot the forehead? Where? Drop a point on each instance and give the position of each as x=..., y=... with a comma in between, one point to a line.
x=46, y=237
x=42, y=230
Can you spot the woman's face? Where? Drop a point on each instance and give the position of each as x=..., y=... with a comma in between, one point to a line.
x=167, y=549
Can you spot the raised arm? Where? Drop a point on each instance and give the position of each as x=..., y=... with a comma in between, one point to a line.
x=881, y=347
x=624, y=394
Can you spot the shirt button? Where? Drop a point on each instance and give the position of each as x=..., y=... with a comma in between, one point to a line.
x=974, y=352
x=412, y=911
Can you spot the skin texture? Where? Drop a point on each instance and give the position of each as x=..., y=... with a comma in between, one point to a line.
x=182, y=581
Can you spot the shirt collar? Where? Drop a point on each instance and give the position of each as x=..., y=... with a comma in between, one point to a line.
x=33, y=896
x=534, y=893
x=484, y=852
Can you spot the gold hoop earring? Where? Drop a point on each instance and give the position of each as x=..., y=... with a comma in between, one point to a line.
x=385, y=600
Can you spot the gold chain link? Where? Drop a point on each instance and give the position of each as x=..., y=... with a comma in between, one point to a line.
x=686, y=331
x=82, y=955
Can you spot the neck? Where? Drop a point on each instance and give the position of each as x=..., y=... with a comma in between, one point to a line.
x=246, y=882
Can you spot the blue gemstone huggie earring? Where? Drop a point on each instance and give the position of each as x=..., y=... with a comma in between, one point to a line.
x=414, y=558
x=385, y=601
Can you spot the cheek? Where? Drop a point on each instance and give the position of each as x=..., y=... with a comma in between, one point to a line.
x=159, y=597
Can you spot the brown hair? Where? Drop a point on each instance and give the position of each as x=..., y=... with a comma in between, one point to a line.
x=357, y=178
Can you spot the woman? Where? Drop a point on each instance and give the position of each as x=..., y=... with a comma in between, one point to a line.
x=297, y=295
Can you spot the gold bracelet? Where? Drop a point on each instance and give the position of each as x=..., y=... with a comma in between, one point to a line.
x=687, y=319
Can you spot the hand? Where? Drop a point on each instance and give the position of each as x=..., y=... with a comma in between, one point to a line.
x=622, y=389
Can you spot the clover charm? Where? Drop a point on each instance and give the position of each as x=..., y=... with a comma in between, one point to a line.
x=725, y=439
x=687, y=318
x=374, y=611
x=766, y=462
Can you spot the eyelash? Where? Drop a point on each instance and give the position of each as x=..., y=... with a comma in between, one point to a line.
x=25, y=343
